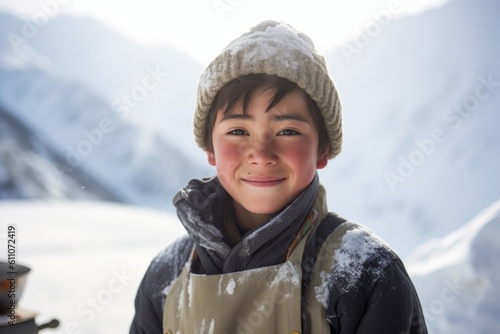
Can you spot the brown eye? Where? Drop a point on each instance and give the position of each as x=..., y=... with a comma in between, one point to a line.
x=288, y=132
x=237, y=132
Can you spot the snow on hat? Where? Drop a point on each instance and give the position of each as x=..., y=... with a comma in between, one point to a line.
x=272, y=48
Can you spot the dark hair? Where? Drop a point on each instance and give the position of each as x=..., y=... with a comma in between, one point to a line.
x=242, y=89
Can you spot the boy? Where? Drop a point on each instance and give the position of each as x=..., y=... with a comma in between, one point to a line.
x=263, y=254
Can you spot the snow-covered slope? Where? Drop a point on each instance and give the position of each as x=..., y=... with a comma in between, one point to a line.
x=83, y=50
x=421, y=101
x=27, y=168
x=86, y=258
x=137, y=166
x=457, y=277
x=85, y=145
x=88, y=136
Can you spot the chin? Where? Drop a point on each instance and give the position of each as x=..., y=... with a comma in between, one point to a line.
x=264, y=209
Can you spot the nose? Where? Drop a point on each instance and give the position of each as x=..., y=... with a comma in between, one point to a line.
x=262, y=152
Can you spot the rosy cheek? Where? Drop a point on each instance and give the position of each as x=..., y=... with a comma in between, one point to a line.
x=300, y=156
x=227, y=160
x=300, y=151
x=227, y=151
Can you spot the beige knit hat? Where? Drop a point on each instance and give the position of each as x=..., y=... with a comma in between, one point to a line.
x=273, y=48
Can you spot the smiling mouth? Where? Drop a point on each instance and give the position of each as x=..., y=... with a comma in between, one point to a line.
x=267, y=182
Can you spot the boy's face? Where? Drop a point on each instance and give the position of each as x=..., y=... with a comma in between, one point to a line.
x=264, y=160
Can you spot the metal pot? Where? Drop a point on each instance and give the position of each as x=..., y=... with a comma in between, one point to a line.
x=12, y=282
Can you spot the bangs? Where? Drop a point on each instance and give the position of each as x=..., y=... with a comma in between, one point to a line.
x=239, y=93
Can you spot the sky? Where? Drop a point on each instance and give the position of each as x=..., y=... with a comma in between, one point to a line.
x=202, y=28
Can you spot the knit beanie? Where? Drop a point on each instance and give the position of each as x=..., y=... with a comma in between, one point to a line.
x=273, y=48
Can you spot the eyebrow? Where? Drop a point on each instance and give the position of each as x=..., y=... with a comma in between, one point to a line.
x=286, y=117
x=235, y=116
x=275, y=118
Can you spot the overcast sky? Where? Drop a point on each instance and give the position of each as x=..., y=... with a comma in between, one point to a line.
x=202, y=28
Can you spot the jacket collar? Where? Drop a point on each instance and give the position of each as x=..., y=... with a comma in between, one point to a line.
x=201, y=207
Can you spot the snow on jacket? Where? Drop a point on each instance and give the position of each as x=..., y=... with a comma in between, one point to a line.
x=367, y=291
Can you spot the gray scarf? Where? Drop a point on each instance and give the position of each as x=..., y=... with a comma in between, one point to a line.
x=201, y=206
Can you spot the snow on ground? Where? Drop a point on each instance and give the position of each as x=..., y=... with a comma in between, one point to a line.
x=457, y=277
x=86, y=258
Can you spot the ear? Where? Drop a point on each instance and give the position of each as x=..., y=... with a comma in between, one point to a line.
x=210, y=157
x=322, y=160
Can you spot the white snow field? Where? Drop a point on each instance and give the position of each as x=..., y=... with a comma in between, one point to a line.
x=86, y=258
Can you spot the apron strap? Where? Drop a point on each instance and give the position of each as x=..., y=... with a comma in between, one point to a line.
x=298, y=244
x=315, y=320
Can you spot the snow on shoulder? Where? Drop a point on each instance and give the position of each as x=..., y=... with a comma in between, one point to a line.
x=358, y=252
x=359, y=246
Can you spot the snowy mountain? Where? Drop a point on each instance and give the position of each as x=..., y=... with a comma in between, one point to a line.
x=27, y=168
x=83, y=50
x=421, y=101
x=63, y=139
x=457, y=277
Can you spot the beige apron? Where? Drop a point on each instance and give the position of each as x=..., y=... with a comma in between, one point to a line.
x=263, y=300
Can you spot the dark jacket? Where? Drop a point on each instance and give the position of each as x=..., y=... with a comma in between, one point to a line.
x=369, y=288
